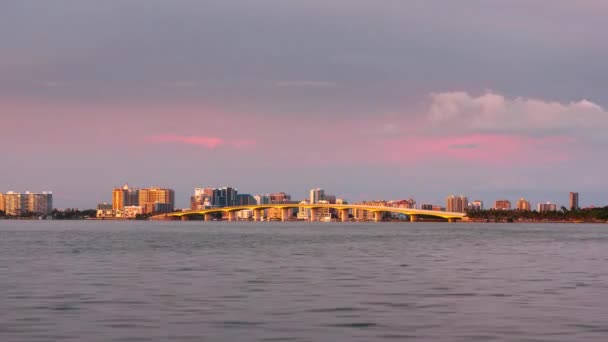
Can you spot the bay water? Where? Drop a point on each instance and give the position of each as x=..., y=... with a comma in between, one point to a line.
x=274, y=281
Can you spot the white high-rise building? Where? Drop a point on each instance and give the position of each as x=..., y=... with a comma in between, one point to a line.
x=316, y=195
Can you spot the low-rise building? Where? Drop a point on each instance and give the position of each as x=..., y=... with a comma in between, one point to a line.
x=502, y=205
x=544, y=207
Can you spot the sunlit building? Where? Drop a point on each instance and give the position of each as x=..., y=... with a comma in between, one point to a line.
x=502, y=205
x=544, y=207
x=131, y=211
x=39, y=203
x=15, y=204
x=156, y=200
x=574, y=201
x=303, y=213
x=279, y=198
x=202, y=199
x=261, y=199
x=104, y=210
x=124, y=196
x=476, y=205
x=19, y=204
x=523, y=205
x=457, y=204
x=316, y=195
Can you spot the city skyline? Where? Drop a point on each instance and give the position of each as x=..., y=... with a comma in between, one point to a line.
x=469, y=202
x=372, y=100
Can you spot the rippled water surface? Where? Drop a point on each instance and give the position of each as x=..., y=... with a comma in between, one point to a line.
x=196, y=281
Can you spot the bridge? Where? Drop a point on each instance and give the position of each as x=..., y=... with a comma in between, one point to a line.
x=342, y=209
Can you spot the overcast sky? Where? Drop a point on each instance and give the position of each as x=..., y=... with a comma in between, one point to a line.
x=368, y=99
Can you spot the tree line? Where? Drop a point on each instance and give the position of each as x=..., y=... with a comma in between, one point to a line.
x=564, y=214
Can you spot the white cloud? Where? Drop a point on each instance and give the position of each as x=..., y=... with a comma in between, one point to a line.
x=493, y=113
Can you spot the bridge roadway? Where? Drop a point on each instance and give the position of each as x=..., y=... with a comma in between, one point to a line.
x=343, y=210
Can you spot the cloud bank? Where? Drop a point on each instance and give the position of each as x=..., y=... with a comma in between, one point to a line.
x=462, y=113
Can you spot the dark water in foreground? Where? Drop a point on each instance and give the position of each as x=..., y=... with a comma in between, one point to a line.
x=195, y=281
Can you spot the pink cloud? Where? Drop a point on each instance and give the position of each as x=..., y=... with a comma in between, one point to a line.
x=204, y=141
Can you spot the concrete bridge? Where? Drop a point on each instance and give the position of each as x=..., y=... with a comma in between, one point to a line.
x=342, y=209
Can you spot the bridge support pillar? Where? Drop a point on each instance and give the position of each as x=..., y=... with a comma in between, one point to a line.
x=314, y=212
x=452, y=220
x=207, y=217
x=377, y=216
x=231, y=215
x=257, y=214
x=184, y=218
x=344, y=215
x=413, y=218
x=284, y=214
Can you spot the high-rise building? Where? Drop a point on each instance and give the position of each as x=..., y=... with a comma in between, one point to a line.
x=18, y=204
x=224, y=197
x=39, y=203
x=502, y=205
x=574, y=201
x=316, y=195
x=123, y=197
x=457, y=204
x=544, y=207
x=202, y=199
x=245, y=199
x=156, y=200
x=523, y=205
x=262, y=199
x=15, y=204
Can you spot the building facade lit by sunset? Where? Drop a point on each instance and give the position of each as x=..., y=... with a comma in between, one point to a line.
x=18, y=204
x=124, y=197
x=502, y=205
x=156, y=200
x=457, y=204
x=544, y=207
x=523, y=205
x=573, y=201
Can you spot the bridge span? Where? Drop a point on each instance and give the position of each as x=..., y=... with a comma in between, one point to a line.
x=342, y=209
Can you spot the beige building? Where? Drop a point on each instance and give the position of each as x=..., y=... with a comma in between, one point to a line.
x=2, y=202
x=131, y=211
x=523, y=205
x=125, y=196
x=457, y=204
x=39, y=203
x=156, y=200
x=15, y=204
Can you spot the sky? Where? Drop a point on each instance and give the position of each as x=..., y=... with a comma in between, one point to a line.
x=368, y=99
